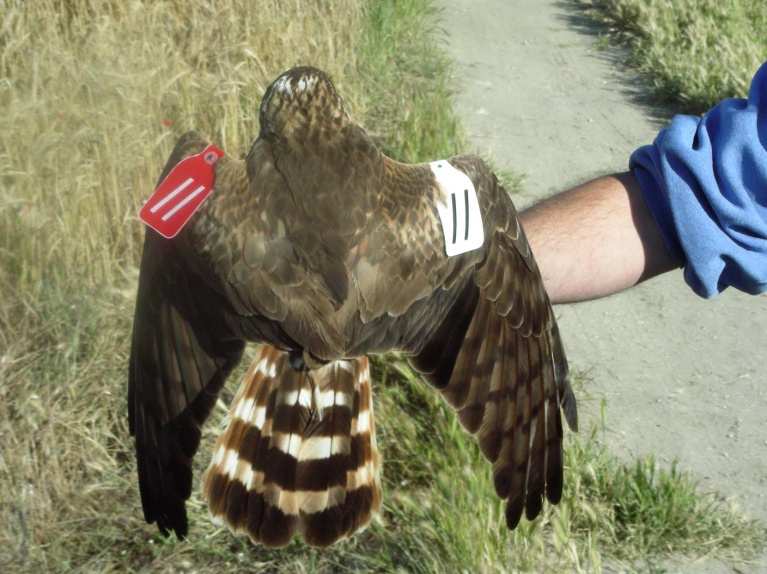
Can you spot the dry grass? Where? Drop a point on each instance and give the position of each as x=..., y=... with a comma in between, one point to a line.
x=93, y=95
x=95, y=91
x=691, y=52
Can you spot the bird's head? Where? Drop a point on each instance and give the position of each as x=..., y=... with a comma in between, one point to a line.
x=302, y=105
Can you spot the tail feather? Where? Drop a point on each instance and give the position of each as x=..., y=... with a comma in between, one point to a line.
x=299, y=455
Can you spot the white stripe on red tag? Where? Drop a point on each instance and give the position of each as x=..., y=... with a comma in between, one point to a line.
x=171, y=195
x=181, y=193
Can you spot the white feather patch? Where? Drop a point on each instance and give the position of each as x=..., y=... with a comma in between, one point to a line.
x=302, y=396
x=346, y=366
x=306, y=82
x=320, y=447
x=246, y=476
x=283, y=85
x=305, y=397
x=363, y=422
x=218, y=458
x=330, y=398
x=230, y=463
x=259, y=417
x=357, y=478
x=244, y=409
x=306, y=501
x=266, y=367
x=281, y=441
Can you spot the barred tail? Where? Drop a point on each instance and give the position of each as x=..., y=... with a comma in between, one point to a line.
x=299, y=454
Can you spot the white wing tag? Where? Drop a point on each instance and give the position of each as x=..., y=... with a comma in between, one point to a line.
x=459, y=209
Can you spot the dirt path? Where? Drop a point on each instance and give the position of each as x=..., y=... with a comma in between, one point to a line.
x=683, y=377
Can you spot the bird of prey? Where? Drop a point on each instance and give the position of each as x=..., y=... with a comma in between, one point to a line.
x=326, y=251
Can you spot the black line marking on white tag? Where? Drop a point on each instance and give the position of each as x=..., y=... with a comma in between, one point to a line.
x=455, y=217
x=466, y=208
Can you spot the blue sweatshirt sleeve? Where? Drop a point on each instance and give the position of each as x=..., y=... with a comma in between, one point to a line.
x=705, y=181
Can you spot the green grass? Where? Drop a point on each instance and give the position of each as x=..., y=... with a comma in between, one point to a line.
x=692, y=53
x=94, y=95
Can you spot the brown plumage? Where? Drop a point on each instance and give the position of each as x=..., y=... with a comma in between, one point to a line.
x=325, y=250
x=299, y=453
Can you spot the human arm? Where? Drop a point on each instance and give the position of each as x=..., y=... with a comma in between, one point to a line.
x=697, y=197
x=596, y=239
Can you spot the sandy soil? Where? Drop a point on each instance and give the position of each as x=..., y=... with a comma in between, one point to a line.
x=682, y=377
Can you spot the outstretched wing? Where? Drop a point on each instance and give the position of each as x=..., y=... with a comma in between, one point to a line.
x=181, y=353
x=498, y=359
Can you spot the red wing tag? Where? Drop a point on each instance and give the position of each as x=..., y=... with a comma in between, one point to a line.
x=181, y=193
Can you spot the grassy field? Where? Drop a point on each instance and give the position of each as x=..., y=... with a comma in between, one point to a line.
x=692, y=53
x=94, y=93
